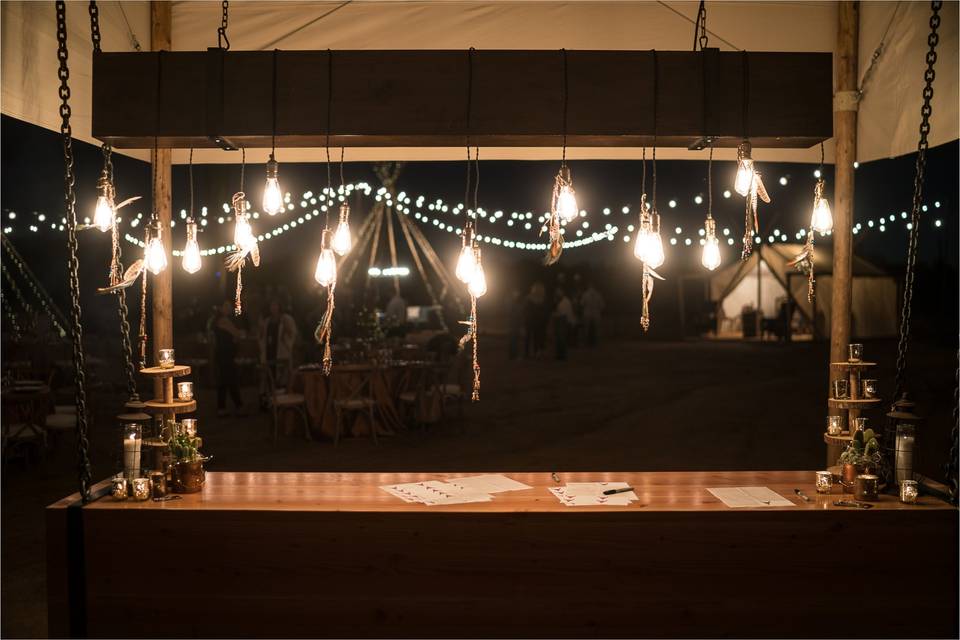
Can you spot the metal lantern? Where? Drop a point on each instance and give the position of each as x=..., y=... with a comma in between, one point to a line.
x=904, y=424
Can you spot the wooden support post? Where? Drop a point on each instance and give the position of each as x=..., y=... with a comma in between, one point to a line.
x=160, y=26
x=845, y=138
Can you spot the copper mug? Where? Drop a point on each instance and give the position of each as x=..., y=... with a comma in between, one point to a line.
x=866, y=487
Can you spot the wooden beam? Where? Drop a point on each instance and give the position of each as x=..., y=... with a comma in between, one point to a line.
x=419, y=98
x=845, y=134
x=162, y=290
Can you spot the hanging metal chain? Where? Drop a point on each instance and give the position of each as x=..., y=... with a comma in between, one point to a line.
x=700, y=27
x=222, y=30
x=95, y=25
x=925, y=111
x=70, y=202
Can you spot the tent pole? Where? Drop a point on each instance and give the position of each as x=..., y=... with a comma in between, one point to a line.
x=845, y=138
x=160, y=27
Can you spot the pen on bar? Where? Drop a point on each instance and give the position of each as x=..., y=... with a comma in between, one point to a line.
x=610, y=492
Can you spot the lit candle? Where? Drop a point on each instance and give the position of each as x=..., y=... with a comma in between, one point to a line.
x=141, y=488
x=118, y=488
x=856, y=352
x=904, y=460
x=824, y=482
x=131, y=450
x=185, y=391
x=189, y=426
x=909, y=492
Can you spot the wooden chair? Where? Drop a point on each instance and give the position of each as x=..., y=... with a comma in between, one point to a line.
x=351, y=387
x=280, y=400
x=22, y=433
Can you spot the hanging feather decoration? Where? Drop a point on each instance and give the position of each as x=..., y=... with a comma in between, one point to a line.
x=648, y=276
x=751, y=220
x=563, y=208
x=246, y=243
x=326, y=276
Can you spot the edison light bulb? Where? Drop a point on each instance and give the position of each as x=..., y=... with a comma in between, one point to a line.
x=103, y=214
x=191, y=252
x=655, y=255
x=822, y=218
x=272, y=197
x=342, y=240
x=711, y=253
x=467, y=261
x=567, y=204
x=243, y=233
x=640, y=247
x=745, y=170
x=326, y=273
x=478, y=283
x=154, y=256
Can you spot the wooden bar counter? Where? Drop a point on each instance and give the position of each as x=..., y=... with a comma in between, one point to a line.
x=331, y=554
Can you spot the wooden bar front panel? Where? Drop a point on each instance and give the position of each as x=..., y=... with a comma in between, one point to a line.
x=324, y=561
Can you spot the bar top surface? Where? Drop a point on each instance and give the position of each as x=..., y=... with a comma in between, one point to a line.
x=361, y=492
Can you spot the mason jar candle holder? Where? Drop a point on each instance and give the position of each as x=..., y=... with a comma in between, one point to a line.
x=188, y=427
x=118, y=487
x=824, y=482
x=909, y=491
x=166, y=358
x=870, y=390
x=859, y=424
x=132, y=441
x=841, y=389
x=855, y=352
x=185, y=391
x=141, y=489
x=834, y=425
x=866, y=487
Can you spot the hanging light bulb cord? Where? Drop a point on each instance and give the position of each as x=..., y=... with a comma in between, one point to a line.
x=273, y=110
x=656, y=95
x=190, y=178
x=566, y=101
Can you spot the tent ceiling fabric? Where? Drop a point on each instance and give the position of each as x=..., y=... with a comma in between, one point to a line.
x=889, y=112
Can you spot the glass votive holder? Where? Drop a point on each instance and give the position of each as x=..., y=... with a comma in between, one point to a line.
x=824, y=482
x=859, y=424
x=909, y=491
x=141, y=489
x=834, y=425
x=841, y=389
x=188, y=427
x=870, y=390
x=158, y=484
x=855, y=351
x=184, y=391
x=132, y=440
x=166, y=359
x=865, y=487
x=118, y=487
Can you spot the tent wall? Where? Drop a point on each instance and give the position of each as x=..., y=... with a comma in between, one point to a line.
x=889, y=112
x=873, y=305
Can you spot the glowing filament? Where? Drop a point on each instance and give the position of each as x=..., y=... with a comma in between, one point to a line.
x=103, y=214
x=154, y=255
x=478, y=280
x=342, y=239
x=649, y=246
x=243, y=233
x=745, y=170
x=822, y=218
x=191, y=252
x=326, y=272
x=467, y=261
x=272, y=196
x=567, y=204
x=711, y=246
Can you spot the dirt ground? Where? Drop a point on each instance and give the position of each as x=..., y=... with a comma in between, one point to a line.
x=622, y=406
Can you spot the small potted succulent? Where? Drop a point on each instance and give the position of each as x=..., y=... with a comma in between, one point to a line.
x=862, y=455
x=187, y=474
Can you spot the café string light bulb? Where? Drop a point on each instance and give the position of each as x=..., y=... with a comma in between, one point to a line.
x=711, y=245
x=272, y=196
x=154, y=255
x=191, y=251
x=326, y=272
x=478, y=280
x=467, y=261
x=822, y=218
x=745, y=170
x=342, y=238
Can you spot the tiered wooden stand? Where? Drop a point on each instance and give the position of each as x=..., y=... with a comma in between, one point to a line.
x=166, y=409
x=853, y=406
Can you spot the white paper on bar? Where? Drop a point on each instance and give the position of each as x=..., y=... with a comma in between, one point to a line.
x=739, y=497
x=586, y=494
x=434, y=492
x=489, y=483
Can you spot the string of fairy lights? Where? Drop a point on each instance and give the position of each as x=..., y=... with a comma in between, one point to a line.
x=431, y=213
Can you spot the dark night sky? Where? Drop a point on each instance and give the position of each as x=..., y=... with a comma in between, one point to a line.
x=32, y=170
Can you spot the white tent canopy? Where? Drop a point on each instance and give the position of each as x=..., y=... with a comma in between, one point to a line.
x=889, y=110
x=766, y=278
